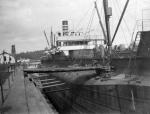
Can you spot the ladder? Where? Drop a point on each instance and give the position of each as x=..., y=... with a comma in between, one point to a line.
x=136, y=41
x=134, y=48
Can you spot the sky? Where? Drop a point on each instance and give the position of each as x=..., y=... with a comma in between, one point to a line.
x=22, y=22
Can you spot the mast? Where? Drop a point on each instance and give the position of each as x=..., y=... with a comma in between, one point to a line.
x=54, y=40
x=46, y=38
x=108, y=13
x=100, y=22
x=51, y=38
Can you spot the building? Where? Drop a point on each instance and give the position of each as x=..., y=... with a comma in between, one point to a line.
x=6, y=58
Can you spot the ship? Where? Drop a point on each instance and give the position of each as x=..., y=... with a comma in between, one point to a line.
x=122, y=89
x=71, y=46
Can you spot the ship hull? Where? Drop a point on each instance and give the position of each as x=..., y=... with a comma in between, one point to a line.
x=90, y=94
x=113, y=99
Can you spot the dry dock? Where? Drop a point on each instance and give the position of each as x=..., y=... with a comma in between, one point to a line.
x=25, y=98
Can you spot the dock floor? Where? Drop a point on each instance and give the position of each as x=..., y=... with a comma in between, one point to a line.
x=25, y=98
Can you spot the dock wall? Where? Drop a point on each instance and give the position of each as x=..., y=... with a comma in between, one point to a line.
x=114, y=99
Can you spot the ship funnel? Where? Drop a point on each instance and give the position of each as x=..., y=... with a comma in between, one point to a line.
x=65, y=27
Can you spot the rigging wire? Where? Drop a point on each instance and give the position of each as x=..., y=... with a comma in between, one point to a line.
x=133, y=32
x=84, y=16
x=88, y=30
x=136, y=22
x=98, y=26
x=133, y=58
x=90, y=22
x=123, y=18
x=114, y=51
x=46, y=38
x=120, y=19
x=102, y=15
x=119, y=11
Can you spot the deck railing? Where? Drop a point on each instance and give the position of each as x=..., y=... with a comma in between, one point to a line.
x=7, y=73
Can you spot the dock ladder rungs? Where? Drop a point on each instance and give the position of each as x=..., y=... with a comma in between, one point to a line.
x=52, y=85
x=43, y=80
x=58, y=90
x=54, y=82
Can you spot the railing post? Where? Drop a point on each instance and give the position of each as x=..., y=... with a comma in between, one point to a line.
x=12, y=76
x=12, y=73
x=9, y=81
x=14, y=70
x=9, y=71
x=2, y=94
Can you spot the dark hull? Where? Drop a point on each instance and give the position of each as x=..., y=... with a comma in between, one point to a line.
x=137, y=66
x=89, y=95
x=103, y=99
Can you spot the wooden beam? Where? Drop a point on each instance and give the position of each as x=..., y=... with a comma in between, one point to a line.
x=54, y=82
x=56, y=70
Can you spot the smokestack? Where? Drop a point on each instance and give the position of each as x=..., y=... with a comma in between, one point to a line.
x=65, y=27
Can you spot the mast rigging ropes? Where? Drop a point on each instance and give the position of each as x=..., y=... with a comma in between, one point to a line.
x=46, y=38
x=100, y=22
x=118, y=11
x=84, y=16
x=120, y=20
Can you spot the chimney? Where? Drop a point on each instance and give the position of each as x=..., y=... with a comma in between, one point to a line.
x=65, y=27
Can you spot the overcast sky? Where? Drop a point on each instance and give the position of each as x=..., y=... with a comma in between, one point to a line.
x=22, y=21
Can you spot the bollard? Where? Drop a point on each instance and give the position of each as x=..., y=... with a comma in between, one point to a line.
x=25, y=74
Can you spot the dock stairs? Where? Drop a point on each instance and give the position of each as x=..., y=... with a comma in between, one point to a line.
x=48, y=84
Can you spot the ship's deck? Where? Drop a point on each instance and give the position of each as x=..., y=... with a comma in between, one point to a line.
x=120, y=79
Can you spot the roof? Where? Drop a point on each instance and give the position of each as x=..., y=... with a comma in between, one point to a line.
x=79, y=38
x=67, y=48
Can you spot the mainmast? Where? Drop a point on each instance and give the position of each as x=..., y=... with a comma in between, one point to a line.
x=108, y=13
x=51, y=38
